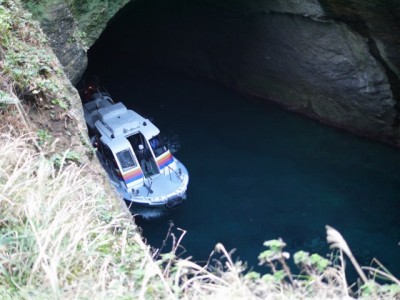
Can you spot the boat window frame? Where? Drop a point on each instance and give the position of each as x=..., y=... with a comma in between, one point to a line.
x=105, y=151
x=121, y=161
x=161, y=144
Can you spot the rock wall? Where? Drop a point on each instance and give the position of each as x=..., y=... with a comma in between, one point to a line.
x=72, y=26
x=336, y=61
x=319, y=65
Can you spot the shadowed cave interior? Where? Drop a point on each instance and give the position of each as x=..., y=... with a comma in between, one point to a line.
x=257, y=171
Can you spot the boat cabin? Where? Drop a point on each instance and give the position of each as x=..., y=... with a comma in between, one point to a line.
x=129, y=144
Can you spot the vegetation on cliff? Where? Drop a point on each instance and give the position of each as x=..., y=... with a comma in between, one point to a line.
x=64, y=234
x=32, y=79
x=72, y=26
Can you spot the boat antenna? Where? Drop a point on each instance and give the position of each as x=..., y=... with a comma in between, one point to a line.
x=108, y=94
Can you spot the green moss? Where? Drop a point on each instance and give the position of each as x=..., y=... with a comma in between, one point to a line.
x=27, y=65
x=92, y=16
x=98, y=253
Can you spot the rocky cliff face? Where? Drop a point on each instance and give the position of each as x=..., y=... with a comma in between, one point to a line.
x=330, y=60
x=72, y=26
x=334, y=60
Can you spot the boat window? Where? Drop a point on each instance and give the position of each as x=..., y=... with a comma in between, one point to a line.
x=104, y=150
x=125, y=159
x=158, y=146
x=107, y=152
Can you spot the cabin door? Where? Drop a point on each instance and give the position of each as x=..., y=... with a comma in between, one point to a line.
x=144, y=154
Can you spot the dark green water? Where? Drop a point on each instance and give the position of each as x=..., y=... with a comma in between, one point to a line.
x=257, y=172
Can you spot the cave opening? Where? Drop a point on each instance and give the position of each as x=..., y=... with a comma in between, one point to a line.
x=257, y=172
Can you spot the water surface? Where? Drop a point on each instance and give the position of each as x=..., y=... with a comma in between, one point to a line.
x=258, y=172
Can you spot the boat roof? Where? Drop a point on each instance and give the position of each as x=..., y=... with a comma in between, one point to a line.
x=116, y=120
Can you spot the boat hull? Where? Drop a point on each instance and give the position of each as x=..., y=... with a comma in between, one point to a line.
x=154, y=192
x=170, y=204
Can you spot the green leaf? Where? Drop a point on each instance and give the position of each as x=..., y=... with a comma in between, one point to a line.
x=267, y=255
x=392, y=289
x=275, y=245
x=301, y=257
x=368, y=289
x=268, y=278
x=252, y=276
x=73, y=156
x=319, y=262
x=279, y=275
x=167, y=256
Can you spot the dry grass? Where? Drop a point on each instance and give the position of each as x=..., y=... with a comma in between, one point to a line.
x=65, y=235
x=62, y=237
x=227, y=280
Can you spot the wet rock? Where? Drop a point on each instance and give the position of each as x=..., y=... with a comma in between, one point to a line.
x=72, y=27
x=337, y=61
x=322, y=69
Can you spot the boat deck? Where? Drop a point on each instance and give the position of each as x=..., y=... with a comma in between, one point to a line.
x=159, y=189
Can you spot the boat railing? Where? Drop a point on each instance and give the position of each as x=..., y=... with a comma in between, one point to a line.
x=147, y=183
x=173, y=171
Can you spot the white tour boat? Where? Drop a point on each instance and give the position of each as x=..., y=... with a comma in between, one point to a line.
x=135, y=157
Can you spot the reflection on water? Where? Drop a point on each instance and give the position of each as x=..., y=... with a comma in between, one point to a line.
x=258, y=172
x=146, y=213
